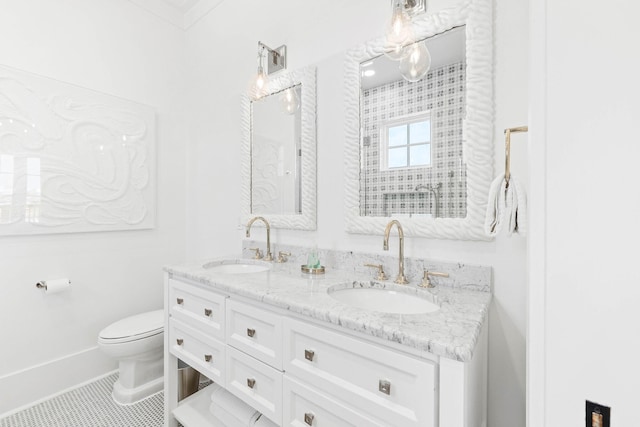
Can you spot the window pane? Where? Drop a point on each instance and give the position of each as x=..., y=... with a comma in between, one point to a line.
x=421, y=155
x=6, y=184
x=420, y=132
x=33, y=166
x=398, y=136
x=398, y=157
x=6, y=164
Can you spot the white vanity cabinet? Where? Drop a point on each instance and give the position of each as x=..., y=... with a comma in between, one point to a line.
x=299, y=372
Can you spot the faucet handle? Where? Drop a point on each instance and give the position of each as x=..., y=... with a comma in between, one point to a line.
x=282, y=256
x=426, y=283
x=380, y=275
x=258, y=254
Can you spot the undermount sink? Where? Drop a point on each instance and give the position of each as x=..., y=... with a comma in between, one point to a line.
x=237, y=266
x=384, y=299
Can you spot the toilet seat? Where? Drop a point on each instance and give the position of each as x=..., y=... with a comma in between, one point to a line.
x=133, y=328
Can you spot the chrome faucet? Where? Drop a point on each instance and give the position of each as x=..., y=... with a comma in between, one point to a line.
x=433, y=189
x=385, y=246
x=267, y=256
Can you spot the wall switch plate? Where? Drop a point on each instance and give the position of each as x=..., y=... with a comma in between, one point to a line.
x=597, y=415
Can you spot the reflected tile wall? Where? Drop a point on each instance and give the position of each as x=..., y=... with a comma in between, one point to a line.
x=385, y=193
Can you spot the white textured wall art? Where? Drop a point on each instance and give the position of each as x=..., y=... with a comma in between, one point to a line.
x=72, y=159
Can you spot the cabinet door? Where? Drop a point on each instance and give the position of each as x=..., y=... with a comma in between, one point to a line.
x=255, y=331
x=255, y=383
x=304, y=407
x=200, y=308
x=202, y=352
x=387, y=385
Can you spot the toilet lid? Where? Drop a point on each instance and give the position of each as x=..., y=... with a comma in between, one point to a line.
x=135, y=327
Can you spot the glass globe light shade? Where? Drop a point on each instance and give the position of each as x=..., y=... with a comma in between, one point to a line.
x=415, y=65
x=259, y=86
x=399, y=32
x=289, y=101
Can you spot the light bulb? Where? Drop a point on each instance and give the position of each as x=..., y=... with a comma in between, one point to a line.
x=289, y=101
x=399, y=32
x=259, y=85
x=415, y=65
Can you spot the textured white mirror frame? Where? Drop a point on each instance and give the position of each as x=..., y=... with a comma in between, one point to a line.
x=307, y=219
x=477, y=16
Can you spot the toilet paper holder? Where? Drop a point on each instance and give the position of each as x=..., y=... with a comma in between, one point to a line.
x=42, y=284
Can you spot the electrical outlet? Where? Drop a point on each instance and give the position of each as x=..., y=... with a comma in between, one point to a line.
x=597, y=415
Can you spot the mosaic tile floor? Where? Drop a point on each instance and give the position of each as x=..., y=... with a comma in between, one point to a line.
x=90, y=406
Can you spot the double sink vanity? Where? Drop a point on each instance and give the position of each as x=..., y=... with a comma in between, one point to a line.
x=350, y=347
x=337, y=349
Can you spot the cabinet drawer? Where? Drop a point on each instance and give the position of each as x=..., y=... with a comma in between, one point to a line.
x=255, y=383
x=398, y=389
x=255, y=331
x=202, y=352
x=202, y=309
x=303, y=406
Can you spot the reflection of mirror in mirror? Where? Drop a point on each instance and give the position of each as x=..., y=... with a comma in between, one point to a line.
x=411, y=144
x=275, y=153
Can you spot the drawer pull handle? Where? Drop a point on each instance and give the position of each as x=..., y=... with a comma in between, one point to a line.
x=384, y=386
x=179, y=341
x=308, y=418
x=251, y=332
x=251, y=382
x=308, y=354
x=208, y=357
x=179, y=301
x=207, y=312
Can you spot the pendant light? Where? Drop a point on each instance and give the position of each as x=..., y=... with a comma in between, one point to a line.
x=416, y=63
x=290, y=101
x=399, y=31
x=259, y=83
x=275, y=61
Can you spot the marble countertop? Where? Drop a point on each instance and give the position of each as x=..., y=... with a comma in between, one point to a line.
x=451, y=332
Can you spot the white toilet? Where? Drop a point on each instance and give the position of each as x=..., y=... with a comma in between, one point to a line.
x=137, y=343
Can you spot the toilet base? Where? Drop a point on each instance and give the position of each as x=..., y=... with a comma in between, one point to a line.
x=138, y=379
x=128, y=396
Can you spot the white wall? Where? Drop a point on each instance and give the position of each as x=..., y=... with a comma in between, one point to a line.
x=584, y=308
x=221, y=58
x=111, y=46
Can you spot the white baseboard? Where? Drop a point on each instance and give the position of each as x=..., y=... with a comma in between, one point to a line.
x=30, y=386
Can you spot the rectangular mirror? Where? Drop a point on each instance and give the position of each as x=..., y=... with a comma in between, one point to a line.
x=422, y=151
x=279, y=152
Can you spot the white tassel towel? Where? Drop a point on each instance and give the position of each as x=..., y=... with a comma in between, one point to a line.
x=506, y=204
